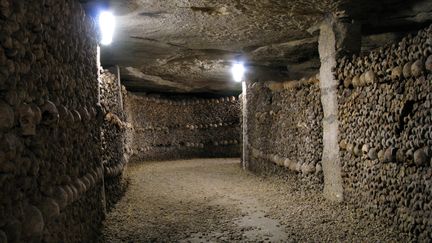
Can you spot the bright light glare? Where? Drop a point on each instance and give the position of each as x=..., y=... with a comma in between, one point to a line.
x=106, y=25
x=238, y=71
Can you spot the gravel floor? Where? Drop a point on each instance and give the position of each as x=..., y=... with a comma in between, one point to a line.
x=214, y=200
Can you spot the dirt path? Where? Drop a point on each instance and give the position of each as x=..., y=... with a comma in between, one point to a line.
x=214, y=200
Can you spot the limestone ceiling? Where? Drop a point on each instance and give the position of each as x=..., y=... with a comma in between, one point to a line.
x=189, y=45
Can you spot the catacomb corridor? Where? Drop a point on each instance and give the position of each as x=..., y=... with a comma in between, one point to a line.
x=215, y=121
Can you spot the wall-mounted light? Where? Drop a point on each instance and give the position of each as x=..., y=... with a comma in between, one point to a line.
x=106, y=25
x=238, y=71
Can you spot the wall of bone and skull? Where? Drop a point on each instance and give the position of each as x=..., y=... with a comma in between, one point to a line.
x=170, y=127
x=50, y=173
x=114, y=140
x=284, y=128
x=386, y=132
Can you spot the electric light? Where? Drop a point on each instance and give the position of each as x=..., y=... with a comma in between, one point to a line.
x=106, y=25
x=238, y=70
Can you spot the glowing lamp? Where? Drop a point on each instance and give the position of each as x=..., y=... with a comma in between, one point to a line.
x=238, y=70
x=106, y=25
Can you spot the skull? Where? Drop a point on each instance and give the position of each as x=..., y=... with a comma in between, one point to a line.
x=37, y=113
x=61, y=197
x=417, y=68
x=63, y=114
x=29, y=117
x=93, y=112
x=406, y=70
x=49, y=208
x=50, y=114
x=34, y=223
x=428, y=63
x=365, y=149
x=85, y=115
x=76, y=116
x=70, y=118
x=370, y=77
x=396, y=73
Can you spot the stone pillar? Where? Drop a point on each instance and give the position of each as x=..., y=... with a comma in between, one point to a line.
x=245, y=153
x=338, y=36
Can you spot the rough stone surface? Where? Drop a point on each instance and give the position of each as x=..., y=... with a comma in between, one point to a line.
x=188, y=46
x=169, y=127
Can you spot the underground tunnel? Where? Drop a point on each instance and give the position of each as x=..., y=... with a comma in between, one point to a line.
x=215, y=121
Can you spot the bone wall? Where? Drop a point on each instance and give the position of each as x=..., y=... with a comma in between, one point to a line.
x=386, y=133
x=284, y=128
x=114, y=137
x=183, y=127
x=50, y=164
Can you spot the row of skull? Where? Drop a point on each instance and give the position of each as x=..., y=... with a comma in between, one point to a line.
x=31, y=115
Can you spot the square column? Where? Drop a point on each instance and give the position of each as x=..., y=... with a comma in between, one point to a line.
x=339, y=36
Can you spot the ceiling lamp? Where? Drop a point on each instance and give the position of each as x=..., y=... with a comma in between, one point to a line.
x=238, y=70
x=106, y=25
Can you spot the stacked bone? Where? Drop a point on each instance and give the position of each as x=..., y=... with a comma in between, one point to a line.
x=183, y=101
x=294, y=166
x=285, y=126
x=49, y=134
x=206, y=126
x=179, y=127
x=113, y=136
x=410, y=58
x=386, y=133
x=113, y=133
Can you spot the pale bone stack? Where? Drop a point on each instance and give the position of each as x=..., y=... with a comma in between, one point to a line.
x=50, y=167
x=183, y=127
x=386, y=132
x=284, y=127
x=113, y=136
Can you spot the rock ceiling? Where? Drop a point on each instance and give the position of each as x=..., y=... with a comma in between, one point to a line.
x=188, y=46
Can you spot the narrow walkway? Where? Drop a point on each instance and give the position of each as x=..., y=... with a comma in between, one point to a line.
x=214, y=200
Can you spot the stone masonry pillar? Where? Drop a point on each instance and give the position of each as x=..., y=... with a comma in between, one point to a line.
x=338, y=36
